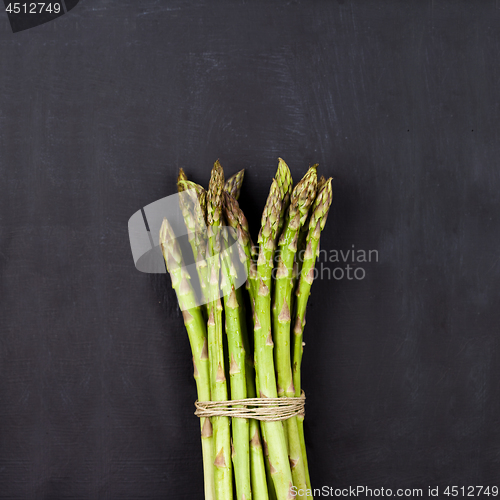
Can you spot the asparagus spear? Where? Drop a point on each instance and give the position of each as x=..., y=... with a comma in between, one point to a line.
x=261, y=489
x=319, y=214
x=192, y=201
x=237, y=220
x=302, y=197
x=301, y=247
x=222, y=438
x=235, y=325
x=233, y=184
x=304, y=230
x=241, y=431
x=195, y=326
x=270, y=483
x=266, y=379
x=257, y=469
x=284, y=179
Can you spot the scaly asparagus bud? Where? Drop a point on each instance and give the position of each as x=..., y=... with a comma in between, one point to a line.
x=237, y=220
x=214, y=197
x=181, y=177
x=285, y=182
x=234, y=183
x=270, y=219
x=321, y=183
x=302, y=198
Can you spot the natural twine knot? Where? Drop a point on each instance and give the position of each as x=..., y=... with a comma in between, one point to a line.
x=268, y=409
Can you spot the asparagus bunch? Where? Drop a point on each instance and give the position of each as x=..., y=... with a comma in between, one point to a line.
x=268, y=457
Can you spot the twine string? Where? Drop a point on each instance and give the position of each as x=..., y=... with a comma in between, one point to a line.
x=267, y=409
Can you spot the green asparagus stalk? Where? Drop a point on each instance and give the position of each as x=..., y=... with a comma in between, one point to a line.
x=192, y=201
x=222, y=437
x=304, y=230
x=235, y=325
x=195, y=326
x=234, y=183
x=319, y=214
x=284, y=180
x=301, y=244
x=257, y=467
x=241, y=431
x=262, y=489
x=266, y=379
x=301, y=247
x=237, y=220
x=269, y=478
x=302, y=197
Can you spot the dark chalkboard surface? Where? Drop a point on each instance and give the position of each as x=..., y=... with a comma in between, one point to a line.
x=399, y=101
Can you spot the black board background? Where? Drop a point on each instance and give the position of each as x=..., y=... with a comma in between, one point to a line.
x=399, y=101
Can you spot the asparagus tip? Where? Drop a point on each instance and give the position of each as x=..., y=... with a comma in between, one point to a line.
x=181, y=177
x=214, y=195
x=234, y=183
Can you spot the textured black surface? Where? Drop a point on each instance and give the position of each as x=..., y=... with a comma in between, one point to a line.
x=397, y=100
